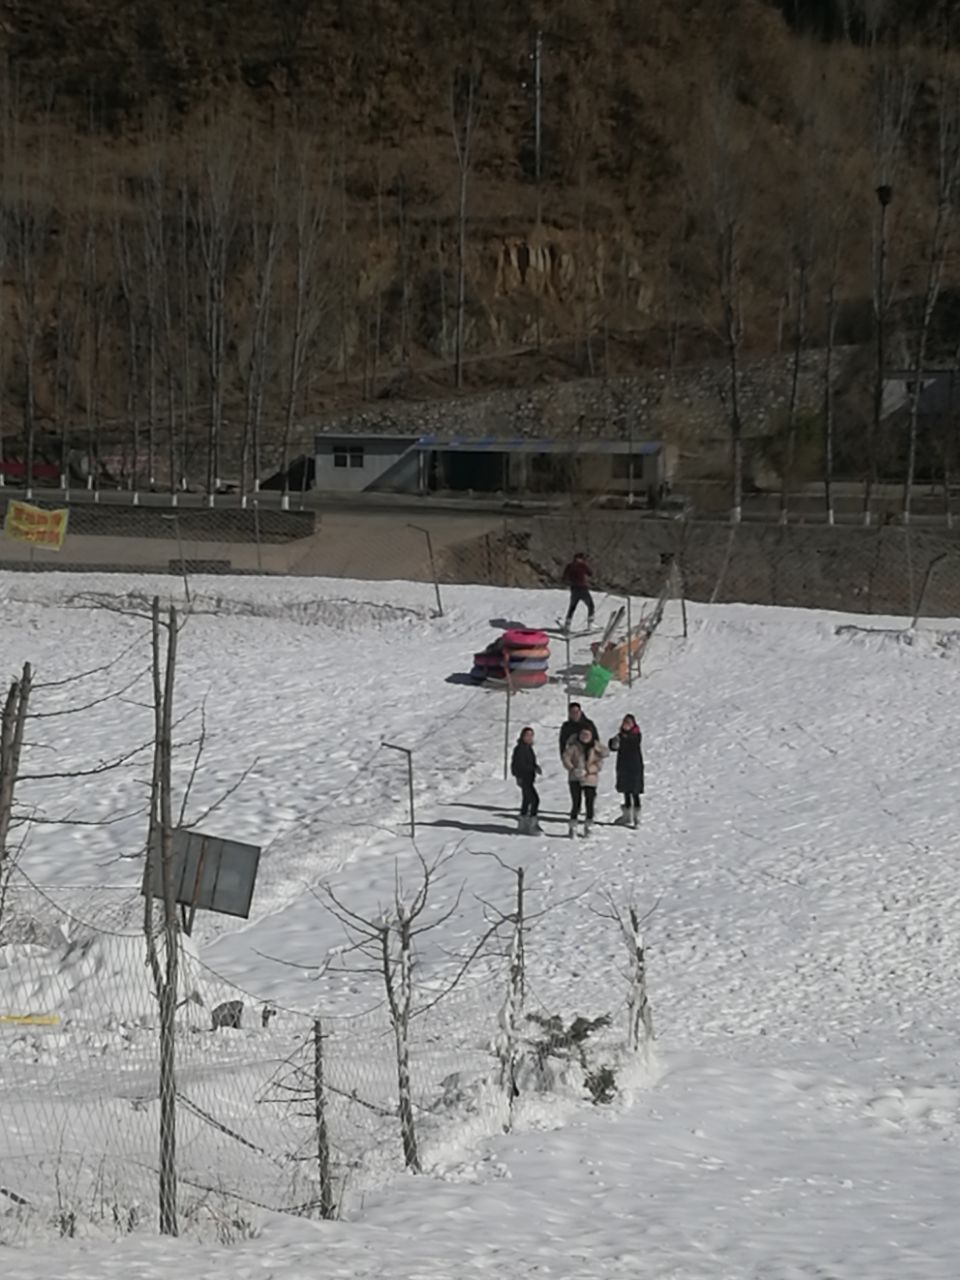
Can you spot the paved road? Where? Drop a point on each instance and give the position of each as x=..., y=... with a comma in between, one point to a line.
x=368, y=545
x=806, y=508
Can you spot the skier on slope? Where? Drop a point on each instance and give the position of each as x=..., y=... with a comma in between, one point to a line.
x=583, y=759
x=524, y=768
x=574, y=722
x=577, y=576
x=628, y=744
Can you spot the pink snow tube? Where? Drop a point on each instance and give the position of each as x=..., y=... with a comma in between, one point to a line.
x=519, y=639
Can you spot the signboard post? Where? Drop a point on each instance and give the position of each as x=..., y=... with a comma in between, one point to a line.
x=209, y=874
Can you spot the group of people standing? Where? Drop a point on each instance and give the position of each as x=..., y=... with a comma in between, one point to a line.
x=582, y=755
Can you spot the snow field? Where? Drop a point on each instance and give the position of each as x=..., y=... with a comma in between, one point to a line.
x=797, y=843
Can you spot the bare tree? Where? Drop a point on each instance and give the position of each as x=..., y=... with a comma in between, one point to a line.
x=936, y=248
x=725, y=189
x=829, y=414
x=831, y=184
x=30, y=216
x=215, y=212
x=130, y=292
x=65, y=337
x=893, y=92
x=185, y=319
x=308, y=200
x=581, y=141
x=386, y=946
x=403, y=260
x=464, y=109
x=7, y=237
x=264, y=249
x=444, y=342
x=12, y=724
x=801, y=260
x=95, y=317
x=511, y=1017
x=639, y=1015
x=160, y=869
x=158, y=284
x=387, y=943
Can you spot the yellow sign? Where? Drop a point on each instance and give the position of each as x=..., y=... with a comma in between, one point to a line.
x=32, y=1019
x=31, y=524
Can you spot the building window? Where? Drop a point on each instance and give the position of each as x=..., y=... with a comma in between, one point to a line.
x=626, y=465
x=348, y=455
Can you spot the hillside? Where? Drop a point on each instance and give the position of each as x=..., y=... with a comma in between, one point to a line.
x=221, y=216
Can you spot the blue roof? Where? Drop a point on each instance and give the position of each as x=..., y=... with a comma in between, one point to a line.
x=497, y=444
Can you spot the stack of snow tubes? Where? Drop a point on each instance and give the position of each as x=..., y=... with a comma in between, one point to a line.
x=524, y=655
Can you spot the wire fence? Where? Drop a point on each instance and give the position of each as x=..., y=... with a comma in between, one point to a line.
x=885, y=570
x=80, y=1087
x=299, y=1110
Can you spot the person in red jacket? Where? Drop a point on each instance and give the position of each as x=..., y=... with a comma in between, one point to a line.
x=577, y=576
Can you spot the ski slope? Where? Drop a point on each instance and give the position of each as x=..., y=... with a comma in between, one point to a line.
x=797, y=852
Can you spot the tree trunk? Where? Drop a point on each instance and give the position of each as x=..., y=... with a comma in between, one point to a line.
x=464, y=121
x=160, y=845
x=736, y=432
x=29, y=398
x=327, y=1207
x=408, y=1129
x=12, y=726
x=461, y=275
x=799, y=339
x=399, y=988
x=828, y=415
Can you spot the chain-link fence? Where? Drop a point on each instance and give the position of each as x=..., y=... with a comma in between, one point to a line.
x=883, y=570
x=276, y=1109
x=888, y=571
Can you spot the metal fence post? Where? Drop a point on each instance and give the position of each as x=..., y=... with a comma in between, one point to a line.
x=256, y=533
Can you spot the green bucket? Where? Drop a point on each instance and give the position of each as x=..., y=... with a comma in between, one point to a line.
x=597, y=680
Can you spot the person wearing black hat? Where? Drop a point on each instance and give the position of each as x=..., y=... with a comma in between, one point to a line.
x=575, y=721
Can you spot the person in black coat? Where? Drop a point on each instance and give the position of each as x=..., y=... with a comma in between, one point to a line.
x=574, y=722
x=628, y=744
x=524, y=768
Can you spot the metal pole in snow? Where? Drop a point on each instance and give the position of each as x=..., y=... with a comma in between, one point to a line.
x=407, y=751
x=433, y=565
x=629, y=642
x=506, y=729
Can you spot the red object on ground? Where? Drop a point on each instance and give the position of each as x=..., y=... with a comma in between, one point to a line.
x=519, y=639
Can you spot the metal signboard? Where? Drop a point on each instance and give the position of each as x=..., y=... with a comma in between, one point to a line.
x=209, y=874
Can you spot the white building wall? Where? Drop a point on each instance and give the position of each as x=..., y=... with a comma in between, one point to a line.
x=375, y=456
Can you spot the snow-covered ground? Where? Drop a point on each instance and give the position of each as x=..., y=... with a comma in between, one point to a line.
x=802, y=1116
